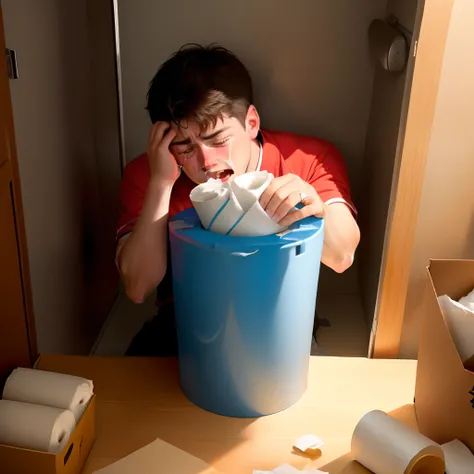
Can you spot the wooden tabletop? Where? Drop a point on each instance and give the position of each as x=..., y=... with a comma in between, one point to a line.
x=139, y=400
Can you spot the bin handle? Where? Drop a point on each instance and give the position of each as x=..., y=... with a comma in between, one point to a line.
x=244, y=254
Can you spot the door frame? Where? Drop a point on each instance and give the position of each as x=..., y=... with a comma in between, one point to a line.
x=407, y=188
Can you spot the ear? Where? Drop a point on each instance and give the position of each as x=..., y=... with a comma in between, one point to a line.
x=252, y=122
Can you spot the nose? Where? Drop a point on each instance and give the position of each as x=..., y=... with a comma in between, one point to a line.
x=208, y=157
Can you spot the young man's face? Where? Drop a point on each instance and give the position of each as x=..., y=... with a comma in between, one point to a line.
x=220, y=152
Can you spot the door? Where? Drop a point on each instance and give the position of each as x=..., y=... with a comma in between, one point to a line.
x=408, y=180
x=17, y=337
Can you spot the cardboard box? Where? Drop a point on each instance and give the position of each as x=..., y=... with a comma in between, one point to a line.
x=444, y=393
x=71, y=460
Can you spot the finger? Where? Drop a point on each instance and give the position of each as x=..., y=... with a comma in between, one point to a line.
x=274, y=185
x=289, y=204
x=281, y=195
x=158, y=130
x=317, y=209
x=168, y=138
x=295, y=216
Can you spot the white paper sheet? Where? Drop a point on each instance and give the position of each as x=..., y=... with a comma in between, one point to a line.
x=460, y=322
x=158, y=457
x=459, y=459
x=234, y=208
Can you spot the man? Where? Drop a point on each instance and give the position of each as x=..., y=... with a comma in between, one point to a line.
x=200, y=103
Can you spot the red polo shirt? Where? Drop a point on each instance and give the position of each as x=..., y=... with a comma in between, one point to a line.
x=316, y=161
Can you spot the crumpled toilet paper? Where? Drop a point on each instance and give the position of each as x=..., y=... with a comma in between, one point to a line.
x=308, y=444
x=460, y=321
x=468, y=301
x=233, y=208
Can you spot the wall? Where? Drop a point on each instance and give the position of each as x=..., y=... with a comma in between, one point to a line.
x=61, y=184
x=445, y=226
x=388, y=113
x=309, y=60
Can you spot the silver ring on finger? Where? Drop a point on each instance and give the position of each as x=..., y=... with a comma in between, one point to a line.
x=303, y=196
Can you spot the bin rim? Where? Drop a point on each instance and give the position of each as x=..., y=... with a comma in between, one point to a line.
x=186, y=225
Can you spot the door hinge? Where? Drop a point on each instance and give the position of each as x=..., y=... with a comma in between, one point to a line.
x=12, y=64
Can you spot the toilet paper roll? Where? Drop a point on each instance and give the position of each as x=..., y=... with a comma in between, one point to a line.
x=49, y=388
x=250, y=186
x=459, y=459
x=255, y=222
x=234, y=209
x=225, y=221
x=386, y=446
x=248, y=189
x=460, y=322
x=37, y=427
x=217, y=208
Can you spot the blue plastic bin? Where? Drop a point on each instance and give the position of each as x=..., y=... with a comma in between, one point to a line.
x=245, y=311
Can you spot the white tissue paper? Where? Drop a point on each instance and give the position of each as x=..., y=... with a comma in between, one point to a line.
x=42, y=387
x=468, y=301
x=384, y=445
x=460, y=321
x=35, y=427
x=233, y=208
x=459, y=459
x=308, y=443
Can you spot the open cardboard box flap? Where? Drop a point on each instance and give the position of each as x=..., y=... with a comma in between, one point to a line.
x=444, y=393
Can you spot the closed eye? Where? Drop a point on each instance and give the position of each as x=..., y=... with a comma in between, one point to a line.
x=221, y=142
x=186, y=153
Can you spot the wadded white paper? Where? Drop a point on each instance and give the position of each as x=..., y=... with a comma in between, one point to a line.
x=308, y=443
x=468, y=301
x=233, y=208
x=460, y=322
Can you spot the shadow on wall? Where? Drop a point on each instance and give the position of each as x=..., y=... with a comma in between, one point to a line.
x=277, y=91
x=95, y=210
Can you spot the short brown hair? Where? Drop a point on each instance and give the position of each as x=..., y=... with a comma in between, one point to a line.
x=200, y=84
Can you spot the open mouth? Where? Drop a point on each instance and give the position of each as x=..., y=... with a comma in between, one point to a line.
x=223, y=174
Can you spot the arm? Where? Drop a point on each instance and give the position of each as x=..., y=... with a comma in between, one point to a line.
x=327, y=181
x=341, y=237
x=341, y=233
x=142, y=254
